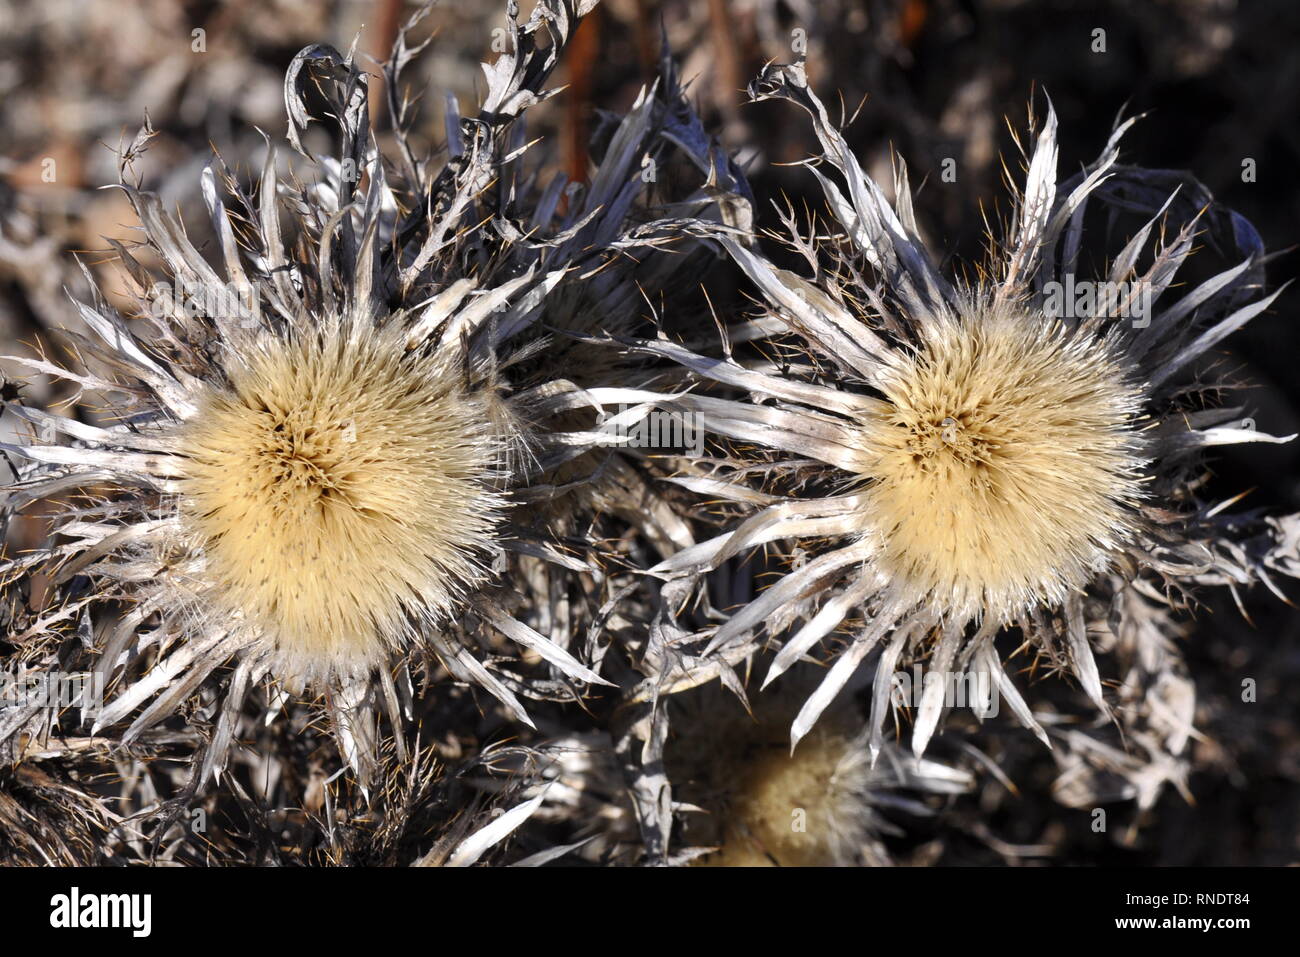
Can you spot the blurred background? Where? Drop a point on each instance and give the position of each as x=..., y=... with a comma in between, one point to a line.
x=935, y=80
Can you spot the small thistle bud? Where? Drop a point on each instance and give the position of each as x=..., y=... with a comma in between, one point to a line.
x=744, y=798
x=764, y=805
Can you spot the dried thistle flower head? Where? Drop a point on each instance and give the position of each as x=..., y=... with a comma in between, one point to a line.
x=331, y=459
x=339, y=485
x=311, y=448
x=793, y=810
x=743, y=799
x=764, y=805
x=1002, y=466
x=962, y=456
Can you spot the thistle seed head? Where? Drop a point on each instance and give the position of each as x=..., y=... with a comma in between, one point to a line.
x=337, y=485
x=816, y=806
x=1003, y=465
x=773, y=786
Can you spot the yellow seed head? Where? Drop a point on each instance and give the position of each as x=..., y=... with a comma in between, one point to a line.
x=339, y=486
x=1004, y=465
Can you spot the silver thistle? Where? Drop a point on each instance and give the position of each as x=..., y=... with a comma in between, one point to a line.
x=344, y=478
x=976, y=461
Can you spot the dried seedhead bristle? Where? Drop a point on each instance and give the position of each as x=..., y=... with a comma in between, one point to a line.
x=1004, y=463
x=336, y=486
